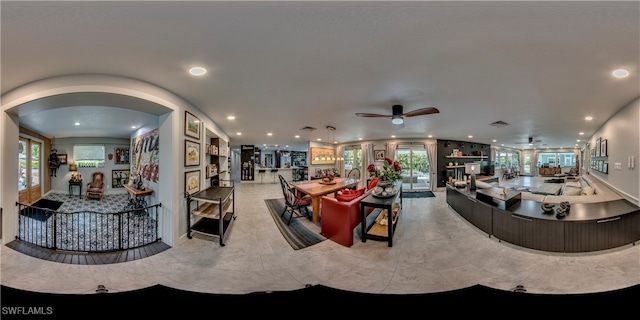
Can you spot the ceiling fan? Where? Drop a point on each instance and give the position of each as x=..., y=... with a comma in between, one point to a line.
x=397, y=117
x=531, y=141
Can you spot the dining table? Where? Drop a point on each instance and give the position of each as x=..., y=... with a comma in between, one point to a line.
x=317, y=188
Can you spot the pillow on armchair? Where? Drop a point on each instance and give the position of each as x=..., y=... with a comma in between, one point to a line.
x=97, y=184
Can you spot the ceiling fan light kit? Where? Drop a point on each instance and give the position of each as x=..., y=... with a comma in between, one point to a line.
x=397, y=116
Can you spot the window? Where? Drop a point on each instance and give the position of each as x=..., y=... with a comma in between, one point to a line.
x=557, y=159
x=352, y=159
x=567, y=159
x=89, y=155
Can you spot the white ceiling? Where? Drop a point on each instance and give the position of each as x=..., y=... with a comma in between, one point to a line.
x=541, y=66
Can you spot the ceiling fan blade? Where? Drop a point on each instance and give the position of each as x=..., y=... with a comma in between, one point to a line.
x=373, y=115
x=421, y=112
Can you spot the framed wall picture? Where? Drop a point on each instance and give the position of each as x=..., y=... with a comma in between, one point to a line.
x=605, y=167
x=323, y=156
x=603, y=147
x=120, y=178
x=191, y=125
x=122, y=156
x=63, y=158
x=191, y=153
x=192, y=181
x=597, y=147
x=379, y=155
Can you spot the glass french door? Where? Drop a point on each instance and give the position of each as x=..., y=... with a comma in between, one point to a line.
x=29, y=170
x=415, y=168
x=353, y=159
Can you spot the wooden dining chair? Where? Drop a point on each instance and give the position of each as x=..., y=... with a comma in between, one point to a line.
x=294, y=205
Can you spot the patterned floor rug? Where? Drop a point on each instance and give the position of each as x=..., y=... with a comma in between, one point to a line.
x=301, y=233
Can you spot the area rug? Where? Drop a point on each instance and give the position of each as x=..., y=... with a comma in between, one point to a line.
x=301, y=233
x=36, y=210
x=420, y=194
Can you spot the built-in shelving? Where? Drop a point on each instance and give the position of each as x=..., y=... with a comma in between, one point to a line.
x=217, y=151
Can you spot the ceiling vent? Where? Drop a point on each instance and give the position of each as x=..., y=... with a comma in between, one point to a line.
x=499, y=124
x=309, y=129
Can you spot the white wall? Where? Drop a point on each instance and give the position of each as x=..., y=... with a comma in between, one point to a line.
x=60, y=182
x=623, y=141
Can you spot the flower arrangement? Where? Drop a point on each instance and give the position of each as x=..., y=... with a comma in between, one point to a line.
x=388, y=171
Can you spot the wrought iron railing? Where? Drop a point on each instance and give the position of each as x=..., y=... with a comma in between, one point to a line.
x=88, y=231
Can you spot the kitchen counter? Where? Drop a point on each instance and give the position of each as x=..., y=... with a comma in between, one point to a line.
x=286, y=173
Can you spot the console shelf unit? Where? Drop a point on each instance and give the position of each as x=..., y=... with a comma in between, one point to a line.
x=369, y=229
x=213, y=211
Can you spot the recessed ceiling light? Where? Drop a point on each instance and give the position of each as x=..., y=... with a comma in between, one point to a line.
x=470, y=136
x=620, y=73
x=393, y=136
x=297, y=136
x=359, y=138
x=319, y=139
x=238, y=133
x=197, y=71
x=578, y=140
x=269, y=133
x=581, y=133
x=588, y=118
x=133, y=127
x=494, y=140
x=429, y=136
x=77, y=123
x=231, y=118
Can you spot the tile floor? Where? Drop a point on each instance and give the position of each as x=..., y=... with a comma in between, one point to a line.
x=434, y=250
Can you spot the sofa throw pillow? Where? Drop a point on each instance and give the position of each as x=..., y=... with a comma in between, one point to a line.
x=373, y=183
x=575, y=184
x=572, y=191
x=588, y=191
x=346, y=197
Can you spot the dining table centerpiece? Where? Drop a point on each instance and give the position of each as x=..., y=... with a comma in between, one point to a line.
x=388, y=173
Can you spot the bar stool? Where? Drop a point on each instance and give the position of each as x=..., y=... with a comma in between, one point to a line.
x=274, y=174
x=261, y=172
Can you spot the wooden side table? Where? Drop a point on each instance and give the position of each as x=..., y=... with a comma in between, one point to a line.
x=75, y=183
x=136, y=197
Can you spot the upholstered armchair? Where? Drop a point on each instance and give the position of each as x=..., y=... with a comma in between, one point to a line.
x=95, y=188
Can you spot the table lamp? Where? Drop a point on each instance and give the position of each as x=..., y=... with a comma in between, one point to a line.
x=73, y=169
x=472, y=168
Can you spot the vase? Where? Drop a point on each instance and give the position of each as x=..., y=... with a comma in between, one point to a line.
x=385, y=183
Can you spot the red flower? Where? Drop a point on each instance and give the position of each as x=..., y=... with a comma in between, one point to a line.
x=388, y=160
x=371, y=168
